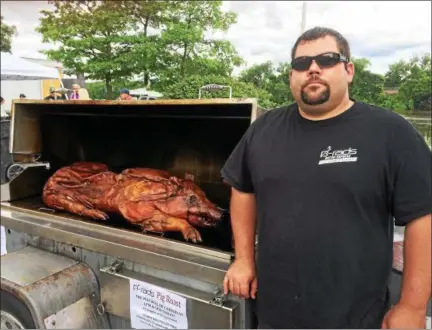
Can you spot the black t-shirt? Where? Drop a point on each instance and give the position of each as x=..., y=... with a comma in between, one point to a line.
x=327, y=192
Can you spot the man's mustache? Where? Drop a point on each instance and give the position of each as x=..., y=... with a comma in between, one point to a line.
x=314, y=79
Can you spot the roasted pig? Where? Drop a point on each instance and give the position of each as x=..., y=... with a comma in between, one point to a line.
x=150, y=198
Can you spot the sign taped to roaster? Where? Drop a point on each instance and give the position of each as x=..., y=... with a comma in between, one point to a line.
x=153, y=307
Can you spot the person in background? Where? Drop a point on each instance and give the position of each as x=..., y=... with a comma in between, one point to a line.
x=325, y=180
x=52, y=94
x=4, y=111
x=75, y=92
x=22, y=96
x=125, y=95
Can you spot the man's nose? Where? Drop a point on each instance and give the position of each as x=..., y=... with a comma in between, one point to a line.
x=314, y=68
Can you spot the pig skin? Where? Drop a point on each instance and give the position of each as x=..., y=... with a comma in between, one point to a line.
x=150, y=198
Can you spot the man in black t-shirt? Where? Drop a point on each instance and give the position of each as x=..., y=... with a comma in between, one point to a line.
x=324, y=179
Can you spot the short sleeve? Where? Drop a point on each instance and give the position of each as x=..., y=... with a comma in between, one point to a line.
x=412, y=166
x=236, y=170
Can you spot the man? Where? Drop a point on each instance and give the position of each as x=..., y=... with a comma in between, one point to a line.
x=125, y=95
x=22, y=96
x=325, y=177
x=52, y=94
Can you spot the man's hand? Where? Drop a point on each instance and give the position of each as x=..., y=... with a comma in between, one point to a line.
x=241, y=279
x=404, y=317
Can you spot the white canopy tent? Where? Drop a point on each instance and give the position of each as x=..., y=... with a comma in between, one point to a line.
x=16, y=68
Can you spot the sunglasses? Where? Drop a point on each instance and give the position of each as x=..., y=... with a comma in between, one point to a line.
x=326, y=60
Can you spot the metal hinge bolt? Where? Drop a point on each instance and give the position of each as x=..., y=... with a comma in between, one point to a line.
x=115, y=267
x=218, y=299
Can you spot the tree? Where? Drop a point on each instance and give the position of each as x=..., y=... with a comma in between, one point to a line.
x=261, y=75
x=366, y=86
x=94, y=38
x=189, y=86
x=6, y=34
x=274, y=80
x=416, y=86
x=147, y=16
x=187, y=45
x=396, y=74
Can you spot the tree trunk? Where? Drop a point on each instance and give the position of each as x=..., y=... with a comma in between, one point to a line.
x=183, y=62
x=146, y=64
x=108, y=86
x=184, y=57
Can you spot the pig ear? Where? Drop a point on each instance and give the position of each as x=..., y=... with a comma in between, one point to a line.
x=189, y=176
x=175, y=180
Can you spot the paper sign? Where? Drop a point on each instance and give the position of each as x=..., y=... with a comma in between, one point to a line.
x=3, y=241
x=153, y=307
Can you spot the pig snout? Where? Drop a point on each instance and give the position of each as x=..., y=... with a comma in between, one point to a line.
x=205, y=216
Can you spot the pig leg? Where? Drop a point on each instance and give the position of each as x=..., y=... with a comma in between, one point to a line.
x=161, y=222
x=148, y=218
x=67, y=203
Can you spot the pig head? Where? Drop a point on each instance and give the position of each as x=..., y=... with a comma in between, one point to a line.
x=190, y=203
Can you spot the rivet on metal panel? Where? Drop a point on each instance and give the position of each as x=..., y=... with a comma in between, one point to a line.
x=100, y=309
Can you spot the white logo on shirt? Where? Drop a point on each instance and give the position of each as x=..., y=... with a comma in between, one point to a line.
x=329, y=156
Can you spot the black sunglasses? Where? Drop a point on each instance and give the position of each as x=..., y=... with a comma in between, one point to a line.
x=326, y=60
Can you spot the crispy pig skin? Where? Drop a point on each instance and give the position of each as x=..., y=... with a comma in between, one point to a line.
x=150, y=198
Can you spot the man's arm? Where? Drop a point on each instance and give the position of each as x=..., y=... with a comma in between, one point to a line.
x=243, y=222
x=416, y=281
x=240, y=278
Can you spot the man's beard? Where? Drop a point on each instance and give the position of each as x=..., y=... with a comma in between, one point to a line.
x=322, y=98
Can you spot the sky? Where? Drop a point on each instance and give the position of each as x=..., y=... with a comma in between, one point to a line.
x=383, y=32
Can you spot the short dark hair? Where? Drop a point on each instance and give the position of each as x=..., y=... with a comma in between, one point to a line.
x=321, y=32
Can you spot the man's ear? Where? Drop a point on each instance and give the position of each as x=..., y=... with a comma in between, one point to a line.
x=349, y=67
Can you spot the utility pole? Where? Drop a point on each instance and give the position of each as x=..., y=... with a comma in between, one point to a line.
x=303, y=21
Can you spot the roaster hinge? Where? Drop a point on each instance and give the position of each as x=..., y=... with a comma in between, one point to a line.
x=115, y=267
x=218, y=299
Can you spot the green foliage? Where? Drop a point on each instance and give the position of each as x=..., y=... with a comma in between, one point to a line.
x=366, y=86
x=413, y=79
x=393, y=102
x=93, y=39
x=416, y=86
x=273, y=80
x=396, y=74
x=186, y=45
x=161, y=41
x=189, y=86
x=6, y=34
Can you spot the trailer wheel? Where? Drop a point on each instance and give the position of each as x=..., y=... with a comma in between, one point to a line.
x=14, y=314
x=13, y=171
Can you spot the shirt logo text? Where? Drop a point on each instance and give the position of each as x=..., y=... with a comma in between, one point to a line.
x=329, y=156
